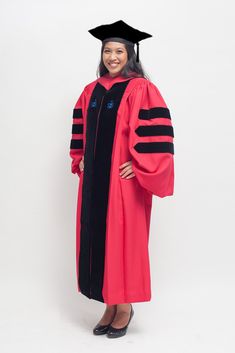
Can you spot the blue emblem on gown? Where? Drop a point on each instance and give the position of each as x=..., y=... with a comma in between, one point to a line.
x=110, y=104
x=94, y=103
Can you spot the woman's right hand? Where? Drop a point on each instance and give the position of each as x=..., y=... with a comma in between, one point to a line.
x=81, y=164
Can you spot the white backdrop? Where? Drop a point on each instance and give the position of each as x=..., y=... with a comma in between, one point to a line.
x=47, y=57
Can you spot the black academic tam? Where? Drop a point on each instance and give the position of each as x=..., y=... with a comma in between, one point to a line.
x=122, y=30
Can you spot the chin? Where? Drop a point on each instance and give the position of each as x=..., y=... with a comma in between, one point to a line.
x=114, y=72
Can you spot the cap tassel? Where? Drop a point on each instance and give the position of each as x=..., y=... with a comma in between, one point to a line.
x=137, y=56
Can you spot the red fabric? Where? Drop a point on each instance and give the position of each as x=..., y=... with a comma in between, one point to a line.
x=127, y=267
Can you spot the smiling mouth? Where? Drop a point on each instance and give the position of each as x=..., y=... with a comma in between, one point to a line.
x=113, y=64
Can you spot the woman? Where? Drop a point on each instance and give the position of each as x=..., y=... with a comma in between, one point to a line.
x=122, y=150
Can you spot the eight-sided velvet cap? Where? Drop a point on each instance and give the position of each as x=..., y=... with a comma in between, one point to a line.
x=122, y=30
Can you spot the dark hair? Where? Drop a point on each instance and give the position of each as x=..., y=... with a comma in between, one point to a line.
x=132, y=67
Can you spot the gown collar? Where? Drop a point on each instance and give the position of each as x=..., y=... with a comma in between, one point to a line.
x=107, y=81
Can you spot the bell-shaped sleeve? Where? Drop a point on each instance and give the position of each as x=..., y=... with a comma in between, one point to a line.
x=151, y=140
x=77, y=143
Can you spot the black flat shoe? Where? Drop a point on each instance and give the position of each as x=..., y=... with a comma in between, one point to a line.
x=119, y=332
x=100, y=329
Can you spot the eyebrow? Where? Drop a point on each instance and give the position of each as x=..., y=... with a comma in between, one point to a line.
x=110, y=48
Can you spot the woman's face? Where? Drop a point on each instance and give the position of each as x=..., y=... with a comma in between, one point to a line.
x=114, y=57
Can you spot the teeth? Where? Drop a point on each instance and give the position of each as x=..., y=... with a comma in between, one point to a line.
x=113, y=65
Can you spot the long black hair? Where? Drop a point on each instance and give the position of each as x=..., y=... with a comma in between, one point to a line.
x=132, y=67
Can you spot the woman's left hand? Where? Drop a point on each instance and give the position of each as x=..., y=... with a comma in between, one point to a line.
x=127, y=171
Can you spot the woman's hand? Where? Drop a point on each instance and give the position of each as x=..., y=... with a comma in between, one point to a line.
x=127, y=171
x=81, y=164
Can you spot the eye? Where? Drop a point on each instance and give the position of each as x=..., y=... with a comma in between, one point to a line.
x=107, y=51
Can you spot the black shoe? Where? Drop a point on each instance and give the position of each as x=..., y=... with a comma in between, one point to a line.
x=118, y=332
x=100, y=329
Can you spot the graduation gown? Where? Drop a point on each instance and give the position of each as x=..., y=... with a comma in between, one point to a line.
x=116, y=120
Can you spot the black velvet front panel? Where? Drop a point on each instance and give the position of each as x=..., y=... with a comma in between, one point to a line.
x=101, y=123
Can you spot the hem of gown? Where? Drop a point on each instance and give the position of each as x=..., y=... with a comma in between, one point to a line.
x=135, y=298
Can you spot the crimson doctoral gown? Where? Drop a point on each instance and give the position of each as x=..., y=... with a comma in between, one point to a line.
x=116, y=120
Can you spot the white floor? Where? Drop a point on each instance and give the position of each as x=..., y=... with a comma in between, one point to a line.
x=184, y=319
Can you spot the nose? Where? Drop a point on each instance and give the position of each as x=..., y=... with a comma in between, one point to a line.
x=112, y=56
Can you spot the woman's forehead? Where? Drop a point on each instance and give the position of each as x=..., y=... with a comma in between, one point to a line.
x=114, y=45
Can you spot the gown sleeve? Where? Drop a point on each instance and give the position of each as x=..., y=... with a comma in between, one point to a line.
x=151, y=140
x=77, y=142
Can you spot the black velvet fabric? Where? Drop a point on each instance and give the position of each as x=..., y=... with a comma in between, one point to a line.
x=101, y=123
